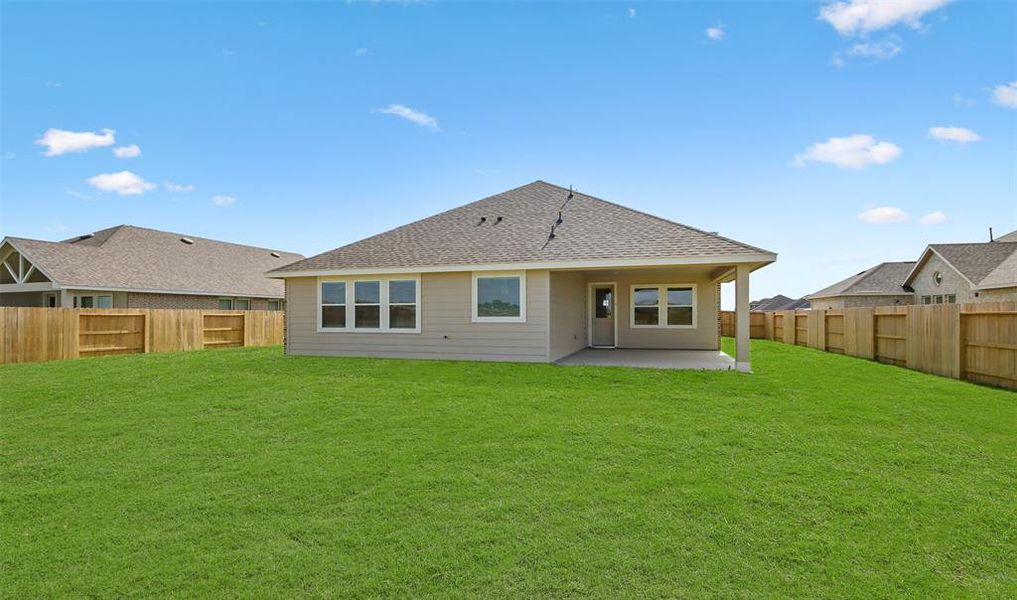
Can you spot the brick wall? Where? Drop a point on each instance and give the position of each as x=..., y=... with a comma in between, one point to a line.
x=145, y=300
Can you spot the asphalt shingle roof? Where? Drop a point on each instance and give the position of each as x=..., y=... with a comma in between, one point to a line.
x=978, y=261
x=516, y=231
x=884, y=278
x=128, y=257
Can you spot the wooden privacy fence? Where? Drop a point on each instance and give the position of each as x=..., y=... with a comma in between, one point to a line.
x=35, y=334
x=976, y=342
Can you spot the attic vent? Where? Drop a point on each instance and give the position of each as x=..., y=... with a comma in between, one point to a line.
x=85, y=236
x=275, y=254
x=187, y=240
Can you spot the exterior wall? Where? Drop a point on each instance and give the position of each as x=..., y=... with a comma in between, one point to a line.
x=706, y=335
x=146, y=300
x=953, y=282
x=569, y=307
x=833, y=302
x=446, y=327
x=21, y=299
x=997, y=295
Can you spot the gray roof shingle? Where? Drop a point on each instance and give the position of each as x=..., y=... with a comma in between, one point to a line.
x=135, y=258
x=591, y=229
x=884, y=278
x=978, y=261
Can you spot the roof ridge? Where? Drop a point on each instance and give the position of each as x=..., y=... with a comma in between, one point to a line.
x=191, y=236
x=659, y=218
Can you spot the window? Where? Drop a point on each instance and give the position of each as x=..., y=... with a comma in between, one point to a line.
x=104, y=302
x=668, y=305
x=93, y=302
x=367, y=304
x=377, y=305
x=499, y=298
x=603, y=303
x=242, y=304
x=938, y=299
x=937, y=278
x=225, y=303
x=333, y=305
x=926, y=299
x=276, y=305
x=402, y=304
x=951, y=299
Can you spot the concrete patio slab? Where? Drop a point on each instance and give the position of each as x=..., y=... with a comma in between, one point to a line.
x=650, y=359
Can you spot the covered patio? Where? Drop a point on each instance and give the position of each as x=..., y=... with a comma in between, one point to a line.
x=709, y=360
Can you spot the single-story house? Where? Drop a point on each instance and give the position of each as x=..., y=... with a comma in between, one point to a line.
x=536, y=273
x=982, y=272
x=881, y=285
x=779, y=302
x=134, y=267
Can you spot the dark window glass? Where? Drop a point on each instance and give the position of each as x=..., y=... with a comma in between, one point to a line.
x=333, y=292
x=367, y=317
x=367, y=292
x=105, y=302
x=87, y=302
x=646, y=297
x=603, y=303
x=402, y=292
x=679, y=315
x=242, y=304
x=498, y=297
x=402, y=317
x=225, y=304
x=646, y=315
x=333, y=316
x=679, y=296
x=951, y=299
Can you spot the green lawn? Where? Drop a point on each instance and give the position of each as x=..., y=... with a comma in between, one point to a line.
x=249, y=473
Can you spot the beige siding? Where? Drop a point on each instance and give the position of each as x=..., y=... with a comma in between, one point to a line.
x=447, y=330
x=834, y=302
x=568, y=313
x=21, y=299
x=953, y=282
x=998, y=295
x=705, y=336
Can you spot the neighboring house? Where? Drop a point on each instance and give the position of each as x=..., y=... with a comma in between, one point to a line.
x=532, y=274
x=134, y=267
x=779, y=302
x=882, y=285
x=948, y=273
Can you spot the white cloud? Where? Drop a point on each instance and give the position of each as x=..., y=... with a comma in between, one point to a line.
x=716, y=33
x=863, y=16
x=888, y=48
x=224, y=200
x=123, y=183
x=127, y=151
x=414, y=116
x=632, y=13
x=60, y=141
x=883, y=215
x=177, y=187
x=1006, y=94
x=851, y=152
x=954, y=134
x=933, y=218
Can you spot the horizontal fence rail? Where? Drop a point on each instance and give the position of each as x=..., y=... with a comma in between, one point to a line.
x=975, y=342
x=37, y=334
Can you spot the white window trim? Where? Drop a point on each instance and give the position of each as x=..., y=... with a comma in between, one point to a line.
x=522, y=297
x=662, y=305
x=76, y=301
x=383, y=282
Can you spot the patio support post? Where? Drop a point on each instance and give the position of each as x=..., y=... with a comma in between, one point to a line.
x=742, y=318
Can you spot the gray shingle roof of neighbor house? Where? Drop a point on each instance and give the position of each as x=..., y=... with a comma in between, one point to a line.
x=883, y=279
x=135, y=258
x=779, y=302
x=1009, y=237
x=983, y=264
x=513, y=227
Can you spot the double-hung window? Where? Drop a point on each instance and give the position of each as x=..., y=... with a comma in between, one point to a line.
x=499, y=297
x=374, y=305
x=663, y=305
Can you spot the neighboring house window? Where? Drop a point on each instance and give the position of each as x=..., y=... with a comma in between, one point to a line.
x=938, y=299
x=937, y=278
x=951, y=299
x=402, y=304
x=926, y=299
x=385, y=305
x=668, y=305
x=93, y=302
x=242, y=304
x=333, y=305
x=499, y=298
x=225, y=303
x=276, y=305
x=367, y=304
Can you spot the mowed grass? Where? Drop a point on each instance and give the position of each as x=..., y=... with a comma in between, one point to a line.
x=250, y=473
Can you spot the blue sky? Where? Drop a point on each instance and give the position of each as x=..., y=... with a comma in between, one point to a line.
x=305, y=126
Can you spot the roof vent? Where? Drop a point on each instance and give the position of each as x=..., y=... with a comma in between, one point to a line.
x=499, y=220
x=187, y=240
x=274, y=254
x=85, y=236
x=482, y=220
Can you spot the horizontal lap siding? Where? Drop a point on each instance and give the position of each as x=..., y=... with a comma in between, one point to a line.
x=445, y=311
x=568, y=314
